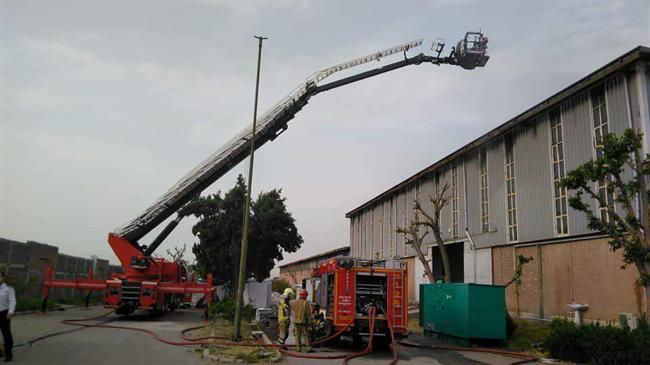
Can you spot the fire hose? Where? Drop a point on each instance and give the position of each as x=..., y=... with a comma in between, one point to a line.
x=203, y=340
x=345, y=357
x=523, y=357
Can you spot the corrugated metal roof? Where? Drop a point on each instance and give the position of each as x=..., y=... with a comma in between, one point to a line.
x=341, y=250
x=610, y=68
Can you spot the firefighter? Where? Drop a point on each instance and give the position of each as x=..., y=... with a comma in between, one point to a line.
x=317, y=328
x=284, y=315
x=302, y=317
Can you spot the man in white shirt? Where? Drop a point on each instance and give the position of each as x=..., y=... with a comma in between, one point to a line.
x=7, y=308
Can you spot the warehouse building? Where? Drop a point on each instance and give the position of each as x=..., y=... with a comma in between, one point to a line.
x=505, y=202
x=297, y=272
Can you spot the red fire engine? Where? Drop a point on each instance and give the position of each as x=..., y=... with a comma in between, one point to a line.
x=346, y=289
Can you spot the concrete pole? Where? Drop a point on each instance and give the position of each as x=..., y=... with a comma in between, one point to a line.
x=241, y=280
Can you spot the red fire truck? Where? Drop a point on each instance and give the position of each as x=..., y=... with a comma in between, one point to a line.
x=346, y=289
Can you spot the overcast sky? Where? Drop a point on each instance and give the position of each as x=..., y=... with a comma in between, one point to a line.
x=104, y=105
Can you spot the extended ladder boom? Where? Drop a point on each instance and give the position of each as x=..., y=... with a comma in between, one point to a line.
x=270, y=124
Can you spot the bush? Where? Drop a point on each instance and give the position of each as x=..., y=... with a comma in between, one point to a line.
x=225, y=309
x=279, y=285
x=596, y=344
x=31, y=304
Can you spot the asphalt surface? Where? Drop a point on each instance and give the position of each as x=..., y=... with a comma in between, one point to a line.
x=45, y=340
x=76, y=345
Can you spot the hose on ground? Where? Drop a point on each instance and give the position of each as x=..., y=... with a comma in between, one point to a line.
x=393, y=342
x=345, y=357
x=523, y=357
x=368, y=349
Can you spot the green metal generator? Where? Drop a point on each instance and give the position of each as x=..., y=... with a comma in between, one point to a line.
x=467, y=311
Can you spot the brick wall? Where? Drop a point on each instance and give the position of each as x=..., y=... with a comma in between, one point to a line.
x=586, y=272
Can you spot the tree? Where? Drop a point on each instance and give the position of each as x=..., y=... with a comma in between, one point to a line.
x=177, y=254
x=618, y=175
x=519, y=270
x=219, y=229
x=439, y=200
x=412, y=237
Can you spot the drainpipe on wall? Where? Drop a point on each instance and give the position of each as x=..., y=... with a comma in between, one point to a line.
x=540, y=276
x=471, y=242
x=514, y=262
x=473, y=247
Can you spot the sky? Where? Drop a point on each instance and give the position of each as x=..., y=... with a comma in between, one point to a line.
x=105, y=105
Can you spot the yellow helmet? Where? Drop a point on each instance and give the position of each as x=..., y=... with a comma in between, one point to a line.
x=289, y=293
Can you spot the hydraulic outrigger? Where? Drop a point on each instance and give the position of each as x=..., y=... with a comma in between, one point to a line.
x=157, y=284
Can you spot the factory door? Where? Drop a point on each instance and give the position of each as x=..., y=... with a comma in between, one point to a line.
x=456, y=261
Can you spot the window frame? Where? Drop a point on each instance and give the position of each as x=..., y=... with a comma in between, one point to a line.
x=510, y=226
x=603, y=212
x=563, y=228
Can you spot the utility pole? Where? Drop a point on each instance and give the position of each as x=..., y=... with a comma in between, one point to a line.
x=241, y=279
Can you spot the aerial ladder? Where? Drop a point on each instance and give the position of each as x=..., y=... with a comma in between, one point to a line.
x=156, y=284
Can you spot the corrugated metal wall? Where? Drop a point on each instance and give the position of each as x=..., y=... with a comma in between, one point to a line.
x=533, y=178
x=578, y=147
x=497, y=197
x=472, y=173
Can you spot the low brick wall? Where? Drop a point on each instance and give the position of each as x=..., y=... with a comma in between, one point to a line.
x=586, y=272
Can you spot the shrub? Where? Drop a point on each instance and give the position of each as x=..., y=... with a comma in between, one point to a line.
x=596, y=344
x=31, y=304
x=225, y=309
x=279, y=285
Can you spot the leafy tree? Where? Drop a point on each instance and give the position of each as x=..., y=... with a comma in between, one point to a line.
x=279, y=285
x=519, y=270
x=624, y=171
x=219, y=229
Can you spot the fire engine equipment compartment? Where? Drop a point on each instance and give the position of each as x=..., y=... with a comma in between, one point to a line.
x=371, y=291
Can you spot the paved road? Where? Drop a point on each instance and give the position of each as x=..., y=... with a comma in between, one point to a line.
x=409, y=355
x=75, y=345
x=100, y=345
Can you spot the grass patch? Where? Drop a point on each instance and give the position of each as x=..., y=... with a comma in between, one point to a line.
x=224, y=327
x=246, y=354
x=528, y=334
x=414, y=324
x=24, y=304
x=31, y=304
x=94, y=299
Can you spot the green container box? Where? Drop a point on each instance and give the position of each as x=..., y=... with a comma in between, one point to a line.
x=464, y=310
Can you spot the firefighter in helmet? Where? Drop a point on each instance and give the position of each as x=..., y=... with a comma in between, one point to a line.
x=284, y=315
x=302, y=317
